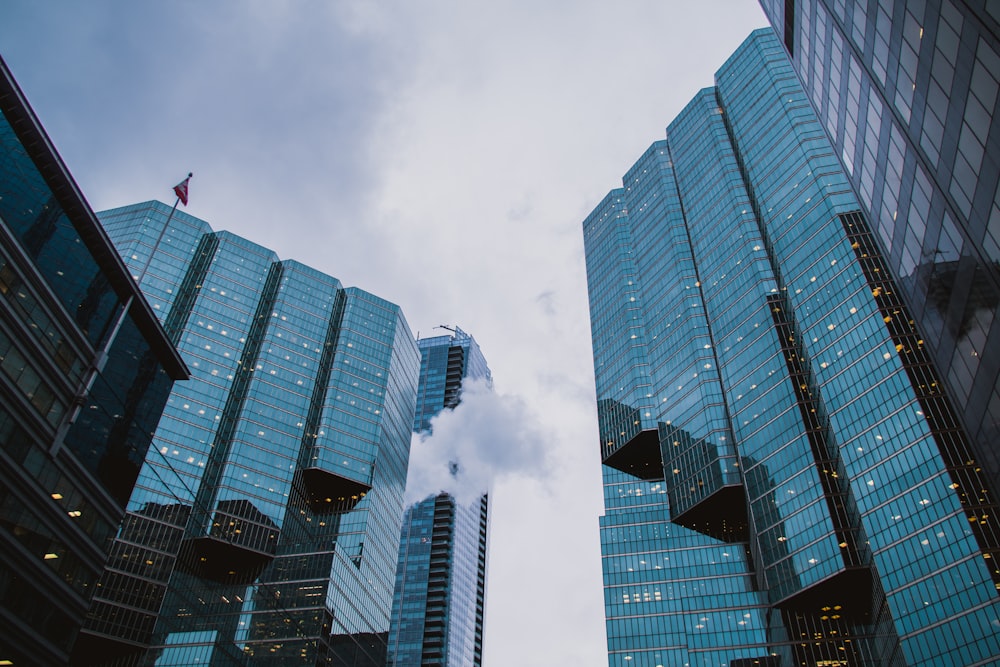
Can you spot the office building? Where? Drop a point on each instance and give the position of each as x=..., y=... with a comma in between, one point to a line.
x=85, y=370
x=438, y=603
x=907, y=93
x=786, y=482
x=264, y=526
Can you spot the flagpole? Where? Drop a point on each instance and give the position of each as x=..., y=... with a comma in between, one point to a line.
x=149, y=259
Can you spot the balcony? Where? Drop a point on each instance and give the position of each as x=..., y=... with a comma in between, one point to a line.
x=639, y=456
x=328, y=492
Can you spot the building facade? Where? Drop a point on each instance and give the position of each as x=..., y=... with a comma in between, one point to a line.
x=263, y=528
x=439, y=599
x=786, y=482
x=85, y=370
x=908, y=93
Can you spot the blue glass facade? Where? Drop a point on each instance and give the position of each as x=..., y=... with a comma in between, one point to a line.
x=786, y=482
x=908, y=94
x=439, y=599
x=85, y=370
x=261, y=530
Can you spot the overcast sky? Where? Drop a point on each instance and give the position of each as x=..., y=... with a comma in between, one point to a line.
x=441, y=154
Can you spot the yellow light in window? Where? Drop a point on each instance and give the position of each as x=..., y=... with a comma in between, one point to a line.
x=51, y=556
x=56, y=496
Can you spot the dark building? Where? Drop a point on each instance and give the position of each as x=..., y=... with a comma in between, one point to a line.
x=440, y=595
x=264, y=526
x=786, y=481
x=85, y=371
x=907, y=93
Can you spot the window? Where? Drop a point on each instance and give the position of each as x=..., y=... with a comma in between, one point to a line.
x=979, y=107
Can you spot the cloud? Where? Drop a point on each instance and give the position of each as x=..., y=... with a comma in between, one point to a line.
x=488, y=437
x=547, y=302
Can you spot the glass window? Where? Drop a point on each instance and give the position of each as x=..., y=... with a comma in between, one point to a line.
x=992, y=240
x=932, y=131
x=859, y=23
x=946, y=41
x=883, y=30
x=984, y=76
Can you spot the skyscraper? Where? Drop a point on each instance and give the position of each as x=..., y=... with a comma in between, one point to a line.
x=440, y=594
x=85, y=370
x=264, y=525
x=907, y=92
x=786, y=483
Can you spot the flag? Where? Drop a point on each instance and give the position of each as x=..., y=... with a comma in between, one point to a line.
x=181, y=190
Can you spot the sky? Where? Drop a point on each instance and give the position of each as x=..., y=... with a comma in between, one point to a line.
x=440, y=154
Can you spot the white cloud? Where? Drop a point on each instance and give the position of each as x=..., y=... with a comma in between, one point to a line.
x=486, y=438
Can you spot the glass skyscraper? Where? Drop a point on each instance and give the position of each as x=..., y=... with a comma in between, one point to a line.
x=786, y=481
x=908, y=94
x=85, y=370
x=264, y=526
x=440, y=594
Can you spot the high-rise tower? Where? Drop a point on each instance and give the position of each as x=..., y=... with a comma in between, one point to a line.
x=786, y=483
x=264, y=525
x=85, y=370
x=908, y=94
x=440, y=594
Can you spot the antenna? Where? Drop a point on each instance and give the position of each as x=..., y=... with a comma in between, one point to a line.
x=455, y=330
